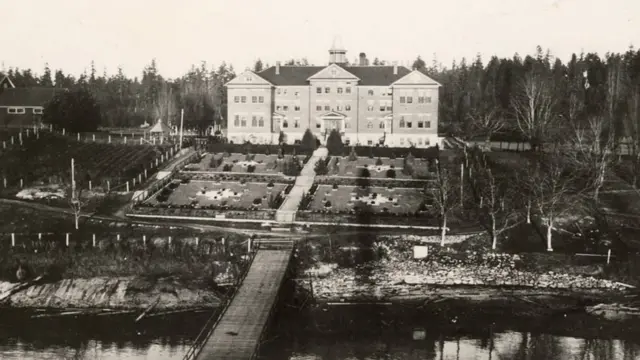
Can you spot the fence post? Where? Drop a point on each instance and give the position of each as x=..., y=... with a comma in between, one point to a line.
x=109, y=139
x=20, y=137
x=125, y=139
x=89, y=185
x=93, y=240
x=140, y=177
x=117, y=237
x=13, y=239
x=66, y=240
x=127, y=186
x=608, y=256
x=63, y=131
x=38, y=135
x=145, y=173
x=4, y=144
x=144, y=240
x=197, y=241
x=4, y=182
x=27, y=132
x=12, y=140
x=21, y=183
x=140, y=141
x=50, y=127
x=108, y=186
x=133, y=182
x=78, y=136
x=94, y=137
x=169, y=240
x=156, y=162
x=249, y=246
x=39, y=236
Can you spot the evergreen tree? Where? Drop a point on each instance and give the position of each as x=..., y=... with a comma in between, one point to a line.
x=334, y=143
x=308, y=142
x=75, y=111
x=45, y=79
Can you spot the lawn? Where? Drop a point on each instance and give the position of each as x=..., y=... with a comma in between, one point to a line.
x=380, y=200
x=378, y=167
x=210, y=193
x=240, y=163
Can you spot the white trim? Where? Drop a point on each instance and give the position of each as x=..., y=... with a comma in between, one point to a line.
x=6, y=77
x=249, y=83
x=313, y=77
x=17, y=110
x=421, y=74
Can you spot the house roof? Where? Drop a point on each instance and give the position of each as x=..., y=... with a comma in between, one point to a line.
x=35, y=96
x=160, y=127
x=6, y=80
x=298, y=75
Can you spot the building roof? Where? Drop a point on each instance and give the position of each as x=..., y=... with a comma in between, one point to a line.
x=35, y=96
x=298, y=75
x=160, y=127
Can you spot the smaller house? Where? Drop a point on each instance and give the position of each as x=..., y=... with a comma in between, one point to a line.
x=23, y=107
x=160, y=129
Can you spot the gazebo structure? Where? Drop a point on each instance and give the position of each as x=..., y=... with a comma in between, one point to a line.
x=160, y=130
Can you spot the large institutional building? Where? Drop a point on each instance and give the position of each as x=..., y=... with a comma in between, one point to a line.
x=368, y=104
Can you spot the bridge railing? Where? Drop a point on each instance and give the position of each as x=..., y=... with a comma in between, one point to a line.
x=215, y=318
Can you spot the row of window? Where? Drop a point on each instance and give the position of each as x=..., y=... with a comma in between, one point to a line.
x=427, y=142
x=327, y=90
x=241, y=121
x=409, y=124
x=338, y=107
x=286, y=108
x=243, y=99
x=21, y=110
x=421, y=99
x=296, y=124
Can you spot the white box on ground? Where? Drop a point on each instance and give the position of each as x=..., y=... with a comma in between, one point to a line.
x=420, y=251
x=419, y=334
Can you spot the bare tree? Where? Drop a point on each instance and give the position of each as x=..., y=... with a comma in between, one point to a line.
x=443, y=195
x=165, y=106
x=533, y=106
x=553, y=186
x=493, y=195
x=485, y=123
x=592, y=146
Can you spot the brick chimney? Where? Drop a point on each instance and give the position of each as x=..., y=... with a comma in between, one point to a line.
x=395, y=68
x=277, y=67
x=363, y=59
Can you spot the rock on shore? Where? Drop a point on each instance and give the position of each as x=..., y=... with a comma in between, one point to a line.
x=113, y=293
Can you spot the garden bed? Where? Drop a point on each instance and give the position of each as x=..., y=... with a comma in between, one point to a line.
x=343, y=199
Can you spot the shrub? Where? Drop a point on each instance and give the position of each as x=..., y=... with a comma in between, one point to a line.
x=185, y=180
x=257, y=201
x=391, y=174
x=352, y=155
x=251, y=168
x=308, y=142
x=270, y=184
x=267, y=151
x=280, y=153
x=335, y=186
x=291, y=167
x=248, y=157
x=321, y=167
x=370, y=153
x=364, y=172
x=378, y=161
x=243, y=181
x=334, y=143
x=327, y=204
x=216, y=160
x=227, y=167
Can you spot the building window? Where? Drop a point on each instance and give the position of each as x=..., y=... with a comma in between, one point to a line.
x=16, y=110
x=254, y=121
x=428, y=99
x=37, y=111
x=401, y=141
x=369, y=124
x=420, y=99
x=338, y=108
x=347, y=107
x=402, y=99
x=279, y=91
x=420, y=124
x=347, y=90
x=389, y=108
x=285, y=108
x=318, y=107
x=427, y=124
x=401, y=123
x=296, y=123
x=318, y=124
x=254, y=99
x=370, y=108
x=277, y=107
x=347, y=123
x=296, y=108
x=382, y=124
x=327, y=107
x=419, y=141
x=285, y=124
x=297, y=93
x=236, y=121
x=236, y=99
x=318, y=90
x=261, y=99
x=243, y=122
x=327, y=90
x=427, y=142
x=284, y=91
x=339, y=90
x=370, y=142
x=370, y=92
x=248, y=79
x=409, y=99
x=382, y=107
x=409, y=124
x=243, y=99
x=261, y=122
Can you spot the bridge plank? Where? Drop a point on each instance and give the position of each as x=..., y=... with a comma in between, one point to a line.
x=237, y=335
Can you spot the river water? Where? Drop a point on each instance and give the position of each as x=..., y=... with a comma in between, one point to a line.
x=340, y=334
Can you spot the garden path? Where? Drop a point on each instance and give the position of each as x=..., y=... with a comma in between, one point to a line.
x=286, y=212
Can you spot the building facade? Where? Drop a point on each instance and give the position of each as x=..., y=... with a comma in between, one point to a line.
x=368, y=104
x=22, y=107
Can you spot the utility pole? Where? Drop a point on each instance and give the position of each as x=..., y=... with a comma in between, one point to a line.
x=181, y=126
x=73, y=179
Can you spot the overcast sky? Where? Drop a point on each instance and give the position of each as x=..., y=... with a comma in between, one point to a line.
x=68, y=34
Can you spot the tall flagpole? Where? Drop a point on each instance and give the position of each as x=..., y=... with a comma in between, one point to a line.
x=181, y=126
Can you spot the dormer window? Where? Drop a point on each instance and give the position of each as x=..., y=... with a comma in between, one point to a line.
x=334, y=73
x=16, y=110
x=37, y=111
x=248, y=78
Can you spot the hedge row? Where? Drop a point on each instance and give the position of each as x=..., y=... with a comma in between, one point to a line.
x=410, y=218
x=257, y=149
x=371, y=182
x=238, y=177
x=188, y=211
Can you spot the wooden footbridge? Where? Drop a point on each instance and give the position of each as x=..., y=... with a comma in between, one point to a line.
x=237, y=332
